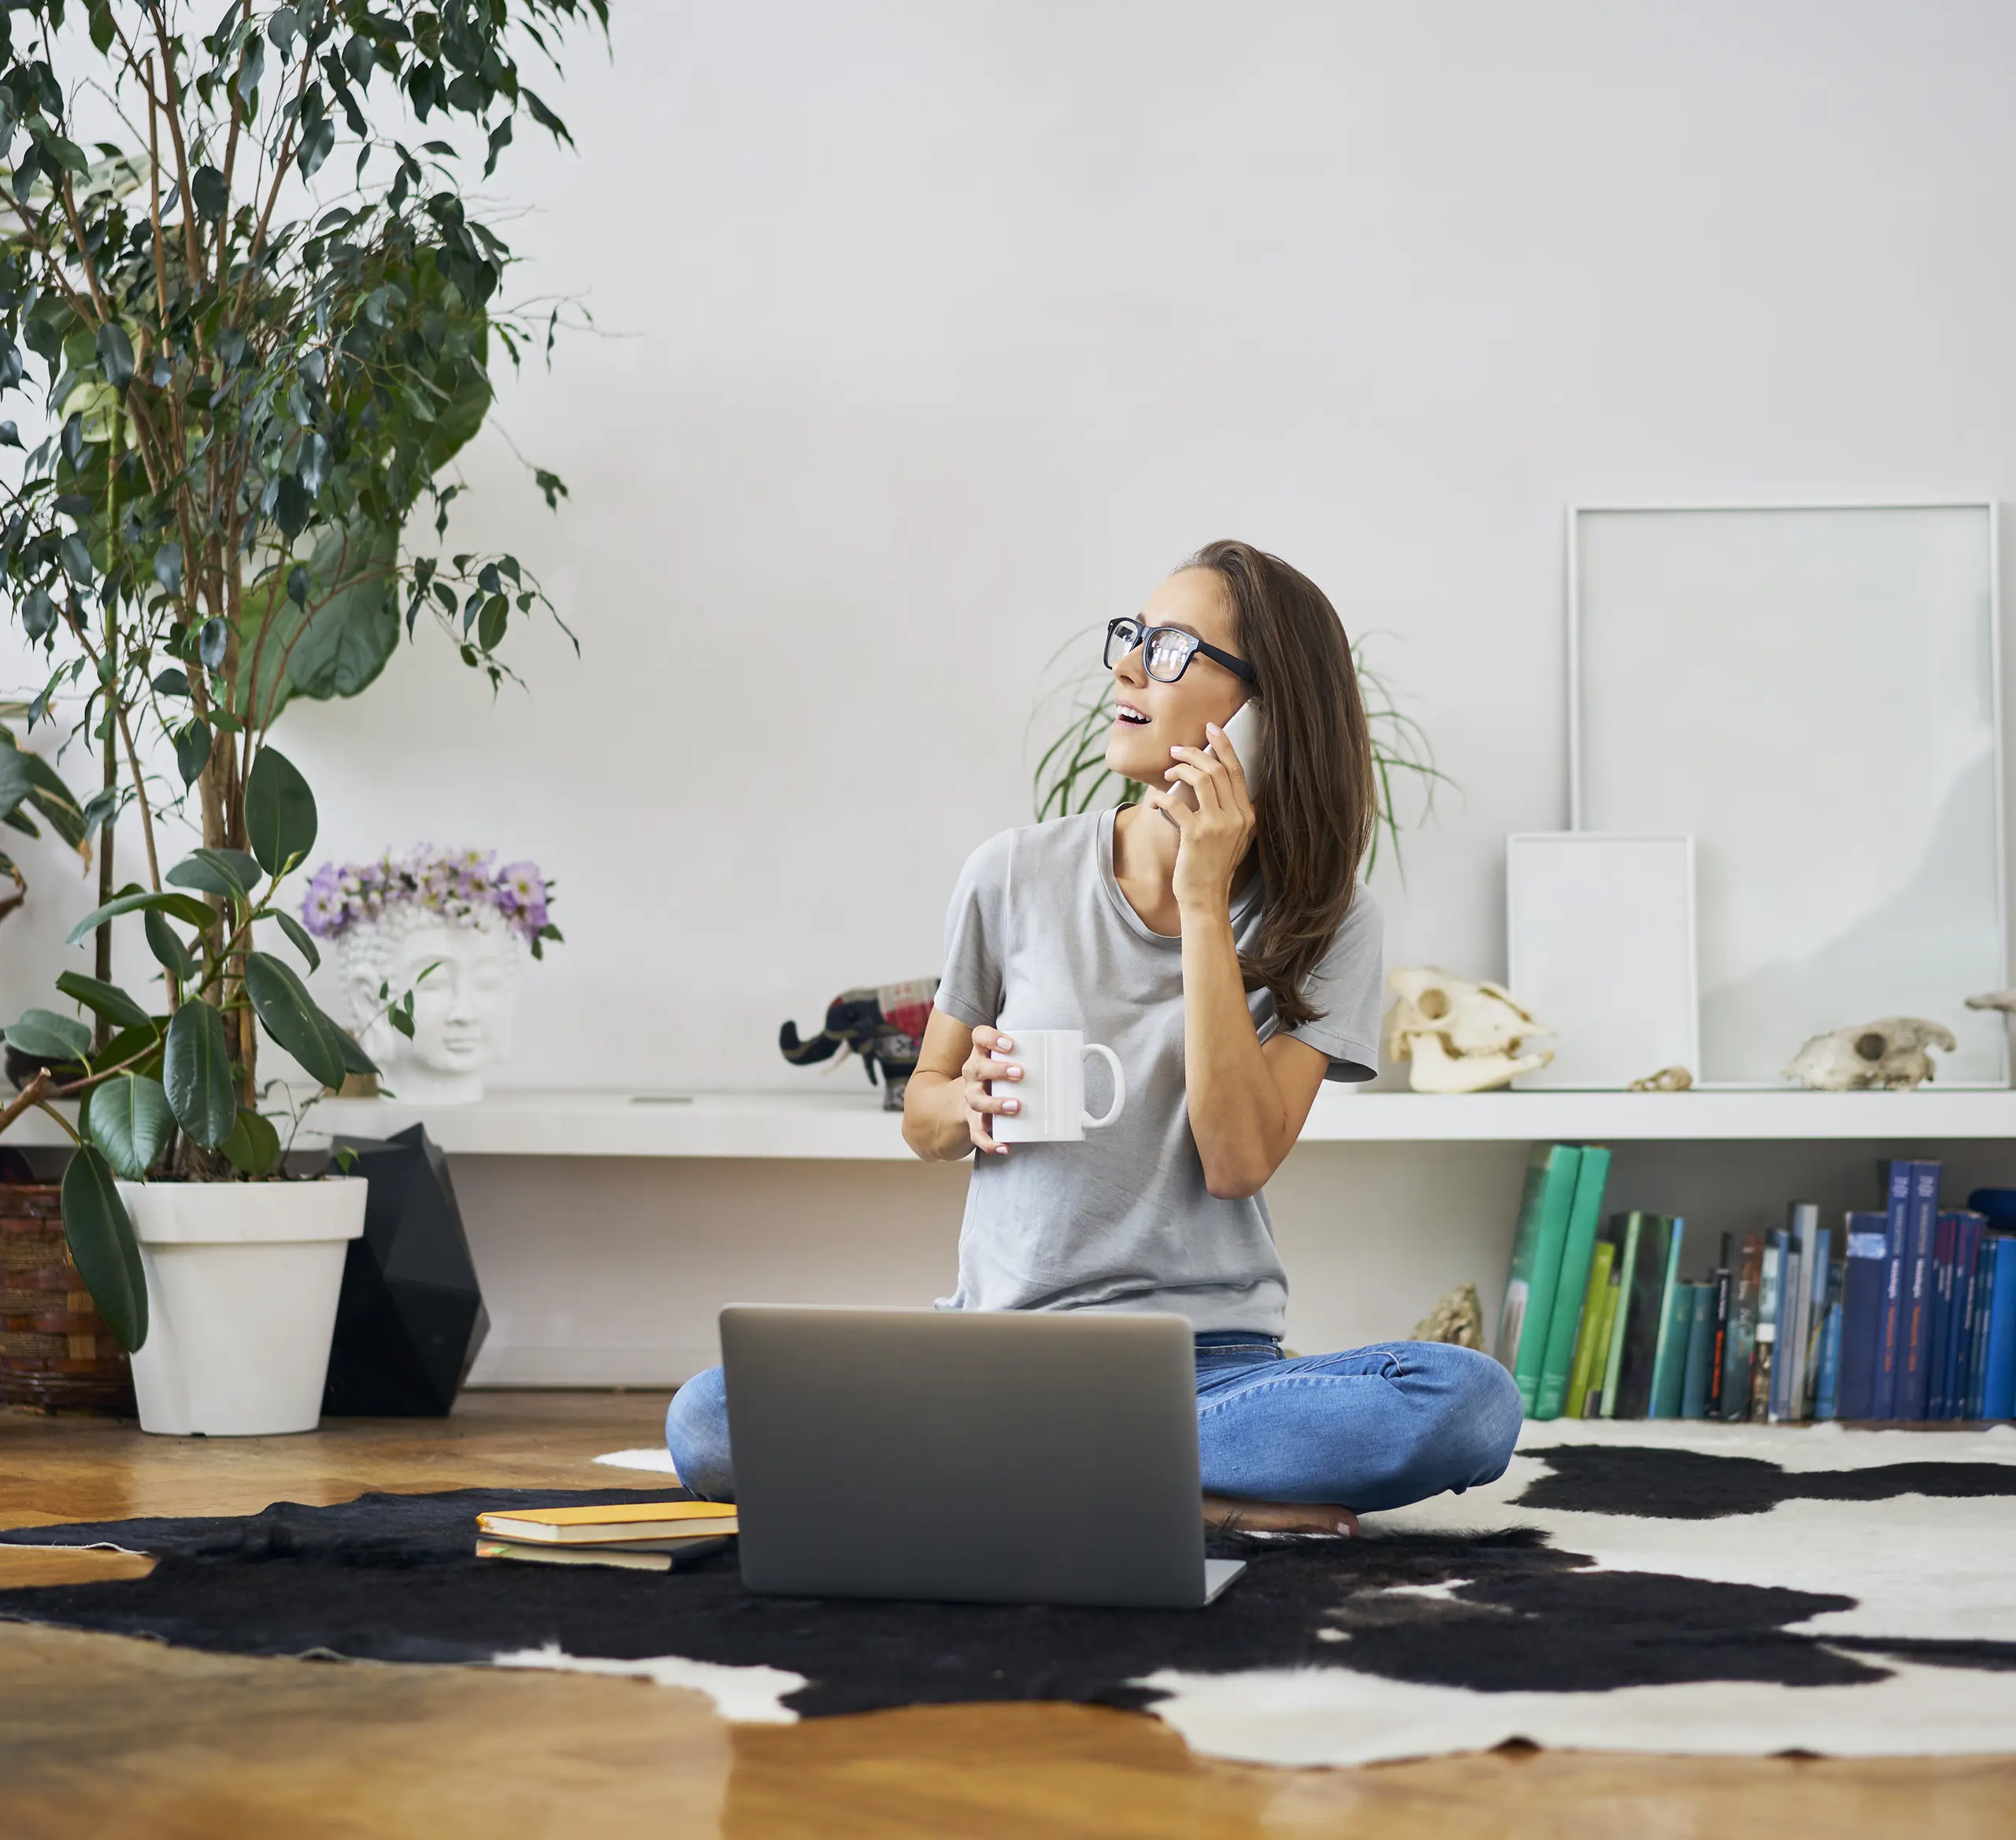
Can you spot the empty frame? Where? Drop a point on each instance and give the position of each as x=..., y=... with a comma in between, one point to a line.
x=1599, y=936
x=1812, y=692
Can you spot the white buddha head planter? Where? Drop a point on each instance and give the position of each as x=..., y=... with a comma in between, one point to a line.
x=451, y=931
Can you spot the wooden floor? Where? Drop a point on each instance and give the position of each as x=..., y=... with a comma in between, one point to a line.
x=103, y=1735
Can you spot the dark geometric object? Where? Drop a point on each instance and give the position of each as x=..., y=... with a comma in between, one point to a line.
x=410, y=1320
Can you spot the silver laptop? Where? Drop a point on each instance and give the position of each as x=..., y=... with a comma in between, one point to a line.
x=1018, y=1457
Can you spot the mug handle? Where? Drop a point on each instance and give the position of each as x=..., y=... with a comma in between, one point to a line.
x=1119, y=1085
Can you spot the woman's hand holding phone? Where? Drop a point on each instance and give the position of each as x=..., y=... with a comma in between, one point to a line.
x=977, y=1079
x=1215, y=816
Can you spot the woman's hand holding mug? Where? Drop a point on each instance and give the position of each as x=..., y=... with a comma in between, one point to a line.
x=982, y=1102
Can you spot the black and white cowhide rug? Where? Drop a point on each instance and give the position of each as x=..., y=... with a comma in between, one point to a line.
x=1661, y=1587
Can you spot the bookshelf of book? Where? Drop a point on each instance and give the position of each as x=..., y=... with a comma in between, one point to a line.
x=1903, y=1312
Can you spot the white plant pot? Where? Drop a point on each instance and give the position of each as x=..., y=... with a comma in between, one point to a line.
x=242, y=1279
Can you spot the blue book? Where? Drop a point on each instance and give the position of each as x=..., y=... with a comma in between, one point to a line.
x=1897, y=1233
x=1827, y=1388
x=1822, y=1283
x=1914, y=1329
x=1998, y=1375
x=1966, y=1251
x=1978, y=1354
x=1944, y=1236
x=1970, y=1313
x=1700, y=1351
x=1862, y=1308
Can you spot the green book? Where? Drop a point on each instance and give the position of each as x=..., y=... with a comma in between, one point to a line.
x=1594, y=1333
x=1629, y=1228
x=1544, y=1211
x=1670, y=1350
x=1642, y=1310
x=1577, y=1256
x=1700, y=1351
x=1675, y=1324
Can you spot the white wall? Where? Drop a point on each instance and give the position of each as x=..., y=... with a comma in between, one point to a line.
x=928, y=334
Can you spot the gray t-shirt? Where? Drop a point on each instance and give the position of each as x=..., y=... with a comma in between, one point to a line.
x=1039, y=936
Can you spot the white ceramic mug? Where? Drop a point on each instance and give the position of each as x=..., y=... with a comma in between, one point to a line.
x=1052, y=1088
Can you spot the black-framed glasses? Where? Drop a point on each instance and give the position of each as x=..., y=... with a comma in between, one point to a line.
x=1167, y=651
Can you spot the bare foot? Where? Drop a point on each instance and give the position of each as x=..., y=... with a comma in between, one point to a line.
x=1227, y=1514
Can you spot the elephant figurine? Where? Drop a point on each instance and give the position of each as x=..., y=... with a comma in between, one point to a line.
x=883, y=1025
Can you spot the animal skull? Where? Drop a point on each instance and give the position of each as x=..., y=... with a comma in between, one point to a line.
x=1889, y=1053
x=1459, y=1036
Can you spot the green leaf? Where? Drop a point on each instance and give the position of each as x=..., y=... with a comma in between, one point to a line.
x=197, y=1072
x=350, y=636
x=115, y=355
x=166, y=945
x=55, y=801
x=355, y=1059
x=140, y=1047
x=127, y=1118
x=14, y=776
x=280, y=812
x=298, y=935
x=229, y=872
x=253, y=1145
x=134, y=900
x=207, y=184
x=49, y=1037
x=192, y=751
x=290, y=1017
x=103, y=1246
x=107, y=1000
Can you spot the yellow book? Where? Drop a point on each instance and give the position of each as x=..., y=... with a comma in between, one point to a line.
x=1595, y=1314
x=607, y=1525
x=653, y=1557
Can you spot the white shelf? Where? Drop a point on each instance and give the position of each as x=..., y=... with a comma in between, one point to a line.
x=852, y=1126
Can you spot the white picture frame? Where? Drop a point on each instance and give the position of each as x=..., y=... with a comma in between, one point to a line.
x=1600, y=947
x=1812, y=692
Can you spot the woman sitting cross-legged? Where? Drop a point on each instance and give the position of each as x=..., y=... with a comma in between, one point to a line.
x=1216, y=936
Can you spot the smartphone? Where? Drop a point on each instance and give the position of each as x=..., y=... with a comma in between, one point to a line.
x=1243, y=731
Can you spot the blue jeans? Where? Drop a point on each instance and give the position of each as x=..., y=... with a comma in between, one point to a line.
x=1373, y=1428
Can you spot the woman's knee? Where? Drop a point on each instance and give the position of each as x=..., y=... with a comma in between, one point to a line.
x=1479, y=1412
x=696, y=1436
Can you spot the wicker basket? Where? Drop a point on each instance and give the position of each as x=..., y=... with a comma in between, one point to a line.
x=55, y=1351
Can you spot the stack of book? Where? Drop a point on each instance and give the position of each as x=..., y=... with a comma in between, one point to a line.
x=644, y=1536
x=1910, y=1315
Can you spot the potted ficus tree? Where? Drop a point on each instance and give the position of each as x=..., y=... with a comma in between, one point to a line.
x=251, y=374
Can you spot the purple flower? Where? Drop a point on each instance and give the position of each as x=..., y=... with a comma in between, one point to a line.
x=458, y=884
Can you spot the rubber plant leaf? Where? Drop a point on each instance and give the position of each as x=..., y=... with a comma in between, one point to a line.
x=128, y=1119
x=186, y=908
x=289, y=1016
x=48, y=1036
x=104, y=1247
x=231, y=874
x=253, y=1146
x=196, y=1069
x=103, y=1000
x=280, y=812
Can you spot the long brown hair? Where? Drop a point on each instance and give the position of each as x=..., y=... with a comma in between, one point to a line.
x=1317, y=805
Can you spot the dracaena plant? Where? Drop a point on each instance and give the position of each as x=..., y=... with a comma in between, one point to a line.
x=245, y=298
